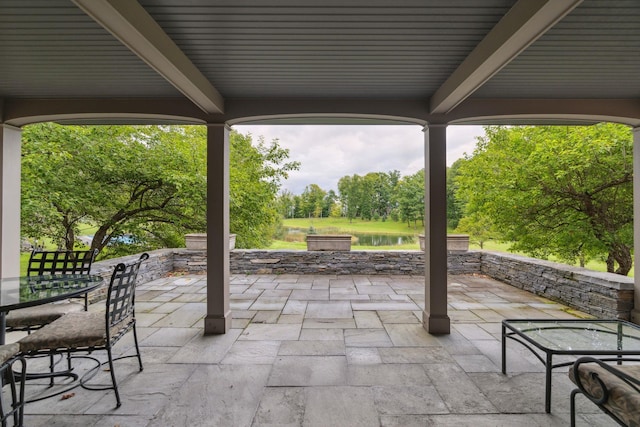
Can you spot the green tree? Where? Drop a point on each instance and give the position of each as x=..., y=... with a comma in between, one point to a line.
x=146, y=181
x=454, y=206
x=348, y=186
x=410, y=198
x=256, y=172
x=479, y=228
x=312, y=200
x=121, y=178
x=565, y=191
x=286, y=204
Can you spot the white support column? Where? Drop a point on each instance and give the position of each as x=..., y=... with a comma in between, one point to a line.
x=218, y=319
x=635, y=312
x=435, y=318
x=10, y=152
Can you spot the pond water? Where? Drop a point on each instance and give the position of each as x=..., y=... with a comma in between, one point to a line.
x=361, y=239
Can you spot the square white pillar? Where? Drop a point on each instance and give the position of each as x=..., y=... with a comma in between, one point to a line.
x=218, y=319
x=435, y=318
x=635, y=312
x=10, y=152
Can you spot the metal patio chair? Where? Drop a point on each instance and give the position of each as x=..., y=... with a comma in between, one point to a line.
x=51, y=263
x=13, y=377
x=80, y=332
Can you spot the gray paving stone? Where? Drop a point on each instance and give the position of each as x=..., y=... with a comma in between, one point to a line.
x=472, y=331
x=387, y=375
x=140, y=399
x=458, y=391
x=374, y=289
x=312, y=348
x=269, y=303
x=252, y=353
x=294, y=307
x=328, y=323
x=403, y=335
x=328, y=310
x=148, y=319
x=271, y=332
x=266, y=317
x=319, y=334
x=367, y=320
x=171, y=337
x=281, y=406
x=476, y=363
x=367, y=338
x=406, y=399
x=363, y=356
x=217, y=395
x=308, y=371
x=415, y=355
x=398, y=317
x=206, y=349
x=380, y=305
x=291, y=318
x=340, y=407
x=310, y=295
x=186, y=316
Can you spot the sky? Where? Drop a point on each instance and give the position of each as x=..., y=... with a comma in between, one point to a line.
x=328, y=152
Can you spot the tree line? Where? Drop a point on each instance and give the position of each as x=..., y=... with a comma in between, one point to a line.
x=375, y=196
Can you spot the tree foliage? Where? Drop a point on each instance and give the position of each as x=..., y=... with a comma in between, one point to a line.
x=565, y=191
x=145, y=181
x=410, y=198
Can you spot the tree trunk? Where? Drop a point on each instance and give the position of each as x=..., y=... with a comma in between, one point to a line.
x=611, y=264
x=622, y=254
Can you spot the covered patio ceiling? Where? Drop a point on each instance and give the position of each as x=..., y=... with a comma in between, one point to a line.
x=204, y=61
x=219, y=63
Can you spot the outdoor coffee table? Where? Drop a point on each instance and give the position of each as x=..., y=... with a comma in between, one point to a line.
x=609, y=340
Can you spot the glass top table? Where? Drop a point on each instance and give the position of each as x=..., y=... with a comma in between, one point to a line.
x=30, y=291
x=606, y=339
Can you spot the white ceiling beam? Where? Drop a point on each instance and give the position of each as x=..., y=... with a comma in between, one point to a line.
x=523, y=24
x=135, y=28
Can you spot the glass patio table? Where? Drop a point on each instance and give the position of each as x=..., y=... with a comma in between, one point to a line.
x=29, y=291
x=608, y=340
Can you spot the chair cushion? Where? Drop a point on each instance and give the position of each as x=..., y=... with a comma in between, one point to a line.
x=7, y=351
x=40, y=315
x=74, y=330
x=623, y=401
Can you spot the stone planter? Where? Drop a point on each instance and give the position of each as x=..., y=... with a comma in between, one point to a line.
x=455, y=242
x=198, y=241
x=328, y=242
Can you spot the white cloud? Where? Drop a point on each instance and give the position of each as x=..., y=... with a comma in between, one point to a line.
x=329, y=152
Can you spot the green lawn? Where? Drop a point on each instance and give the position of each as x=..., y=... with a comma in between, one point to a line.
x=346, y=226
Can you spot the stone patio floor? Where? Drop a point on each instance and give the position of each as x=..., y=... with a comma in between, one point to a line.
x=325, y=350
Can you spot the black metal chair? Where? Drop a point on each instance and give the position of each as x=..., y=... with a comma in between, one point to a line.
x=13, y=378
x=51, y=263
x=614, y=388
x=80, y=332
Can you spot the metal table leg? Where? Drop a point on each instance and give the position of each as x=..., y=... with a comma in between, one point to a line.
x=547, y=392
x=504, y=350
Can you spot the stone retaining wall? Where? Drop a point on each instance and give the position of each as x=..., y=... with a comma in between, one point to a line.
x=159, y=264
x=602, y=295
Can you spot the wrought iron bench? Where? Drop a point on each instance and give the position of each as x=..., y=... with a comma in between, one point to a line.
x=614, y=388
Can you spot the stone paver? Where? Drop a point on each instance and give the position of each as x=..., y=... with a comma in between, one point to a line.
x=325, y=351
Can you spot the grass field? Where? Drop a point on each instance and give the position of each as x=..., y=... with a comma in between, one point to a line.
x=357, y=225
x=343, y=225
